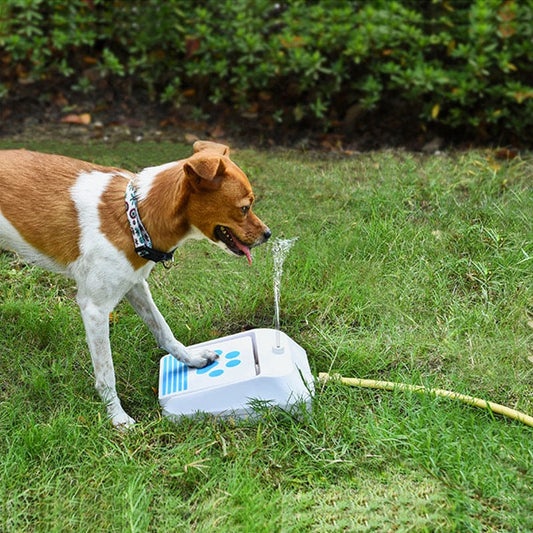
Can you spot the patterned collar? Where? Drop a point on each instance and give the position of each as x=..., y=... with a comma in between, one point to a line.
x=141, y=239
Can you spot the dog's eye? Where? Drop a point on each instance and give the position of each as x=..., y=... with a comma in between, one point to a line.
x=245, y=209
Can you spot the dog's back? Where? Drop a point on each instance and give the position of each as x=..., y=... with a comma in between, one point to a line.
x=38, y=215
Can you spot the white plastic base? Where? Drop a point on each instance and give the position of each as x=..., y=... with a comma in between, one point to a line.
x=251, y=368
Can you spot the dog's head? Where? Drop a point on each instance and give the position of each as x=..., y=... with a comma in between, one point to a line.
x=221, y=200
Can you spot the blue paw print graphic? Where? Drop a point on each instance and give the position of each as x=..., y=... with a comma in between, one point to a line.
x=214, y=370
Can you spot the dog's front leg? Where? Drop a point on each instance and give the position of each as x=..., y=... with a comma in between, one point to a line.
x=96, y=321
x=141, y=300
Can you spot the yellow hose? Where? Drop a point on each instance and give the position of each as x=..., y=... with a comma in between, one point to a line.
x=470, y=400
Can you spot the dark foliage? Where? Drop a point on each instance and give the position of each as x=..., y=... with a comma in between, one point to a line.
x=463, y=66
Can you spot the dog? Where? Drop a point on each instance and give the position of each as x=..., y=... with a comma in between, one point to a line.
x=106, y=228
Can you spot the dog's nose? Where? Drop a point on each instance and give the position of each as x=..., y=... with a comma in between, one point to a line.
x=267, y=234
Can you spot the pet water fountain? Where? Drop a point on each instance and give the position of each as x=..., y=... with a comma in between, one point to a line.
x=256, y=367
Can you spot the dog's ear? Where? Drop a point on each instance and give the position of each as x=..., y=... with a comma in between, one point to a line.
x=200, y=146
x=205, y=171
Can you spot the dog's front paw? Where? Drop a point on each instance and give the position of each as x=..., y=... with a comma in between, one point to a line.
x=202, y=359
x=119, y=418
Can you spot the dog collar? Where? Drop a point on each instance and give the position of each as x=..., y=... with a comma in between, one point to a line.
x=141, y=238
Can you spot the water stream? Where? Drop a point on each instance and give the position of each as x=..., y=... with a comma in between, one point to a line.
x=280, y=249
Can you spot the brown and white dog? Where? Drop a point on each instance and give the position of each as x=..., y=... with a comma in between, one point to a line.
x=75, y=217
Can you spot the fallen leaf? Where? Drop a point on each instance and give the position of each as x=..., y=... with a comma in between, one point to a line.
x=84, y=119
x=217, y=132
x=505, y=153
x=190, y=138
x=59, y=100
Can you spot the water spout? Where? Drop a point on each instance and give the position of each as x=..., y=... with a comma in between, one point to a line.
x=280, y=249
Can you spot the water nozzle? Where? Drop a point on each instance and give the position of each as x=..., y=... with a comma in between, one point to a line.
x=278, y=348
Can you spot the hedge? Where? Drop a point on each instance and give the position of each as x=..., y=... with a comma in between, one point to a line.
x=464, y=65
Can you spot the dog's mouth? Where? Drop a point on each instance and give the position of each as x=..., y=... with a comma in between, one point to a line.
x=234, y=245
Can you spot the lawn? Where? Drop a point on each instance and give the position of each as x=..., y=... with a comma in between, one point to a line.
x=407, y=267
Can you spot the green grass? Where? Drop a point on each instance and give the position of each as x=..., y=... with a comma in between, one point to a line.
x=407, y=268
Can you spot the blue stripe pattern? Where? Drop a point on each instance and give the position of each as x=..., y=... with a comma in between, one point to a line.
x=175, y=376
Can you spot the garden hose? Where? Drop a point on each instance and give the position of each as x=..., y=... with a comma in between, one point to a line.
x=469, y=400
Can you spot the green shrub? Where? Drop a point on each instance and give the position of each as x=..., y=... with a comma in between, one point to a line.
x=454, y=63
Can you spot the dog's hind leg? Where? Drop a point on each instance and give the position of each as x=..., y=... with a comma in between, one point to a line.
x=96, y=321
x=141, y=300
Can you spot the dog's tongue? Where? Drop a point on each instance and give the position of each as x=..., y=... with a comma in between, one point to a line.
x=245, y=250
